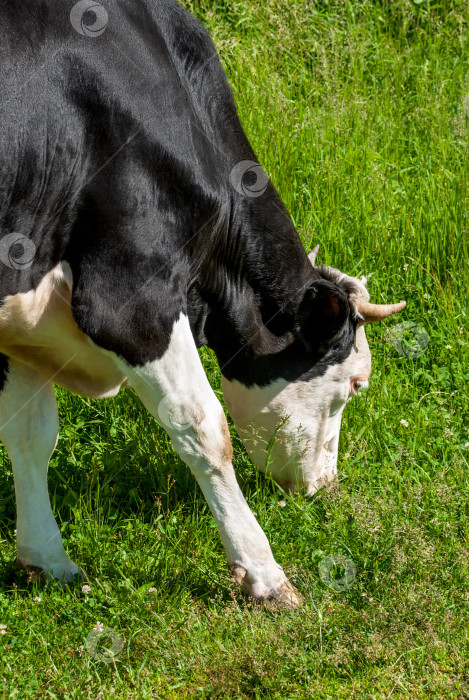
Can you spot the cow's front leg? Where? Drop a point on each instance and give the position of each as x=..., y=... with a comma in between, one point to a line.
x=176, y=391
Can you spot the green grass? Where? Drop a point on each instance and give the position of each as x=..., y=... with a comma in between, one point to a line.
x=359, y=112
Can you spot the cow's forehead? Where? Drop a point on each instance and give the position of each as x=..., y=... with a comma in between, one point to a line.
x=325, y=388
x=353, y=286
x=357, y=363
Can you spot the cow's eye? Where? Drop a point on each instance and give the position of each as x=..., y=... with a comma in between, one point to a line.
x=357, y=384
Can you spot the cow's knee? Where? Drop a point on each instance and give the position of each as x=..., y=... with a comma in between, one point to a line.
x=201, y=437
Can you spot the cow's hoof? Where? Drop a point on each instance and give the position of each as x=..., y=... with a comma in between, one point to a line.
x=63, y=574
x=35, y=573
x=280, y=595
x=285, y=596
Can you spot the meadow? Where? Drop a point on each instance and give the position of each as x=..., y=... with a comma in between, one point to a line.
x=359, y=112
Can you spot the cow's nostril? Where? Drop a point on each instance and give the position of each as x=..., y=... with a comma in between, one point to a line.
x=357, y=384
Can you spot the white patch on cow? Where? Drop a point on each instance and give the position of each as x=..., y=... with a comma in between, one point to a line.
x=38, y=329
x=291, y=430
x=176, y=391
x=29, y=428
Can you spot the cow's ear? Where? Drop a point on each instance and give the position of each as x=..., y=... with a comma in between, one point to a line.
x=323, y=313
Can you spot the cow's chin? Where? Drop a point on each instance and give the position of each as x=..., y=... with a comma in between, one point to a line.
x=290, y=461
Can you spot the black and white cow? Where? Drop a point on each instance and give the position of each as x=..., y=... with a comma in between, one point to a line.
x=137, y=226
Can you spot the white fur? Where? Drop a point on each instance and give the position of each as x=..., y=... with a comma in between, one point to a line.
x=291, y=430
x=29, y=428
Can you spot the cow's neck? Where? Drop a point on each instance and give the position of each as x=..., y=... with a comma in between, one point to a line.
x=243, y=304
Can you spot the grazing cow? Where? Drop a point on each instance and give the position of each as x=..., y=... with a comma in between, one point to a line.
x=137, y=226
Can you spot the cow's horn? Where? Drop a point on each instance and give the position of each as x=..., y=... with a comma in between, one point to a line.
x=376, y=312
x=313, y=254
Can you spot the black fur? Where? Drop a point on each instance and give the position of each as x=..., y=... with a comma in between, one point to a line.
x=116, y=154
x=3, y=370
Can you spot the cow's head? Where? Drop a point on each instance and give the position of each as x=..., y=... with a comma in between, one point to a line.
x=290, y=427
